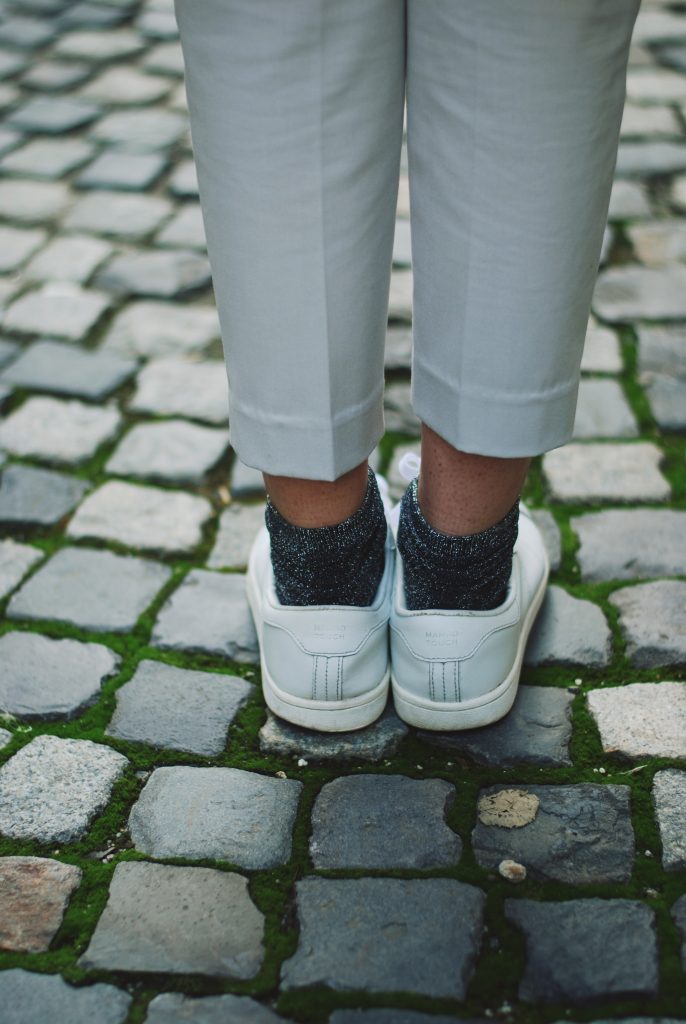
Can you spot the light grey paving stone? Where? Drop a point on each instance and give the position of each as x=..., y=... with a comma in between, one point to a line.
x=652, y=157
x=15, y=562
x=5, y=392
x=402, y=245
x=659, y=243
x=32, y=202
x=398, y=348
x=639, y=121
x=568, y=948
x=613, y=544
x=419, y=935
x=59, y=308
x=603, y=411
x=42, y=678
x=26, y=33
x=9, y=140
x=552, y=537
x=601, y=350
x=629, y=293
x=372, y=744
x=607, y=243
x=245, y=481
x=47, y=158
x=51, y=366
x=67, y=258
x=11, y=63
x=52, y=788
x=581, y=835
x=16, y=245
x=383, y=821
x=59, y=431
x=37, y=497
x=209, y=612
x=667, y=398
x=394, y=1016
x=400, y=296
x=8, y=351
x=170, y=450
x=113, y=169
x=124, y=85
x=655, y=86
x=679, y=916
x=34, y=892
x=655, y=25
x=164, y=59
x=164, y=274
x=147, y=518
x=30, y=998
x=157, y=24
x=661, y=350
x=149, y=328
x=651, y=616
x=140, y=131
x=174, y=386
x=175, y=1008
x=186, y=229
x=94, y=45
x=594, y=473
x=569, y=631
x=8, y=289
x=398, y=412
x=56, y=75
x=178, y=709
x=669, y=797
x=96, y=590
x=183, y=183
x=536, y=731
x=91, y=15
x=179, y=920
x=238, y=527
x=119, y=214
x=5, y=737
x=218, y=814
x=53, y=115
x=641, y=719
x=679, y=190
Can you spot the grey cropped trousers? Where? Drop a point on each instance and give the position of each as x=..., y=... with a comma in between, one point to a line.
x=296, y=113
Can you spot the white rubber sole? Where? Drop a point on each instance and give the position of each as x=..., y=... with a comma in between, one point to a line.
x=455, y=716
x=325, y=716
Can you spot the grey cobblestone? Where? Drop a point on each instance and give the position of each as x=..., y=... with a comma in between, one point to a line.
x=238, y=527
x=29, y=998
x=603, y=411
x=669, y=797
x=147, y=328
x=174, y=1008
x=244, y=481
x=174, y=386
x=51, y=366
x=119, y=214
x=655, y=157
x=186, y=229
x=58, y=308
x=140, y=130
x=667, y=399
x=53, y=114
x=67, y=258
x=641, y=293
x=641, y=719
x=99, y=46
x=601, y=350
x=161, y=274
x=34, y=892
x=375, y=742
x=57, y=430
x=124, y=86
x=569, y=631
x=17, y=245
x=171, y=450
x=613, y=543
x=37, y=497
x=594, y=473
x=652, y=619
x=112, y=169
x=32, y=202
x=15, y=562
x=679, y=916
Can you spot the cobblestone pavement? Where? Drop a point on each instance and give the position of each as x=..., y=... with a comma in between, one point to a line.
x=168, y=852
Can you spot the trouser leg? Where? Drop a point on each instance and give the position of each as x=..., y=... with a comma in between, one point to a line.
x=296, y=113
x=513, y=123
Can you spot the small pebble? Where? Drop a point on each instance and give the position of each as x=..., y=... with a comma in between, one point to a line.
x=281, y=775
x=302, y=763
x=512, y=871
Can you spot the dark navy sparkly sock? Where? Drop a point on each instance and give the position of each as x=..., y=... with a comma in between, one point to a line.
x=340, y=564
x=441, y=570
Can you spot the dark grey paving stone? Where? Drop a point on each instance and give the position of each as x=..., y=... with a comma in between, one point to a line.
x=175, y=1008
x=164, y=274
x=586, y=949
x=52, y=366
x=30, y=998
x=667, y=398
x=238, y=527
x=174, y=386
x=37, y=497
x=42, y=678
x=142, y=131
x=669, y=797
x=383, y=821
x=613, y=544
x=58, y=431
x=603, y=411
x=96, y=590
x=146, y=518
x=629, y=293
x=679, y=916
x=580, y=835
x=183, y=183
x=17, y=245
x=67, y=258
x=59, y=308
x=185, y=230
x=395, y=1016
x=52, y=788
x=651, y=616
x=180, y=920
x=169, y=451
x=53, y=115
x=26, y=33
x=120, y=214
x=178, y=709
x=15, y=562
x=125, y=85
x=56, y=75
x=641, y=719
x=418, y=935
x=594, y=473
x=536, y=731
x=649, y=158
x=97, y=45
x=218, y=814
x=374, y=743
x=120, y=170
x=34, y=892
x=552, y=537
x=32, y=202
x=148, y=328
x=569, y=631
x=673, y=55
x=209, y=612
x=47, y=158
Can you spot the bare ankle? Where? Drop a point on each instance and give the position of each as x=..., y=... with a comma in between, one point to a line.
x=318, y=502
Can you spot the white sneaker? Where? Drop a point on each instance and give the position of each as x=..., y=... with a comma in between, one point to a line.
x=458, y=670
x=324, y=667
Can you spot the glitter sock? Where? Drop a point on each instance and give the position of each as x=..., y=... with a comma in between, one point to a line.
x=340, y=564
x=445, y=571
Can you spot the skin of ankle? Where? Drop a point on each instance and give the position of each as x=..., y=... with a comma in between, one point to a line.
x=318, y=502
